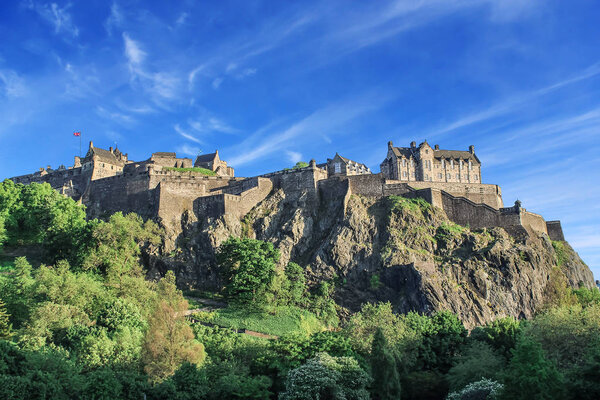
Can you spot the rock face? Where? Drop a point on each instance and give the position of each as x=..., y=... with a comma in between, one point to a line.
x=387, y=249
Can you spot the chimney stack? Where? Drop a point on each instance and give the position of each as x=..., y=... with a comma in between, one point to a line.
x=110, y=149
x=437, y=147
x=472, y=149
x=413, y=144
x=390, y=144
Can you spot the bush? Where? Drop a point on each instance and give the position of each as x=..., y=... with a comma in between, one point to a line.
x=485, y=389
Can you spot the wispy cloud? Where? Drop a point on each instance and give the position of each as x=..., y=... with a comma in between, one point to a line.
x=58, y=17
x=11, y=84
x=294, y=156
x=161, y=85
x=115, y=19
x=207, y=123
x=117, y=117
x=189, y=150
x=186, y=135
x=323, y=121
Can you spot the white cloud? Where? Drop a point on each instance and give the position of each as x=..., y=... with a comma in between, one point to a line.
x=182, y=18
x=207, y=123
x=11, y=84
x=120, y=118
x=135, y=55
x=188, y=150
x=217, y=82
x=160, y=85
x=58, y=17
x=115, y=19
x=294, y=156
x=186, y=135
x=192, y=75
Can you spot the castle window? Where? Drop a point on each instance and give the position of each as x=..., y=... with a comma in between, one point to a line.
x=458, y=176
x=337, y=168
x=443, y=163
x=451, y=164
x=404, y=162
x=404, y=174
x=470, y=165
x=426, y=177
x=439, y=176
x=448, y=176
x=475, y=177
x=411, y=163
x=412, y=174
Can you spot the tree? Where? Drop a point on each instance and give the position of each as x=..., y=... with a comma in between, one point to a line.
x=247, y=268
x=169, y=340
x=5, y=325
x=300, y=164
x=116, y=246
x=327, y=378
x=530, y=375
x=294, y=287
x=479, y=360
x=384, y=371
x=501, y=334
x=557, y=292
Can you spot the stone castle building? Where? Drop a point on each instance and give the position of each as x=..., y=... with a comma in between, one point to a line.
x=427, y=164
x=165, y=187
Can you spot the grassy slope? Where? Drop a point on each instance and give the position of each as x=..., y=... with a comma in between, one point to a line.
x=284, y=321
x=203, y=171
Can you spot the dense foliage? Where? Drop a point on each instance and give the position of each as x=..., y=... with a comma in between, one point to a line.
x=79, y=319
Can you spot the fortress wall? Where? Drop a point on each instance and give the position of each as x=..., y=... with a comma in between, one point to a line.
x=210, y=206
x=121, y=193
x=366, y=185
x=476, y=192
x=534, y=221
x=297, y=179
x=555, y=231
x=464, y=212
x=210, y=183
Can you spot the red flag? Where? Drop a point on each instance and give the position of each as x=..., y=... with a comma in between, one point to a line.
x=76, y=133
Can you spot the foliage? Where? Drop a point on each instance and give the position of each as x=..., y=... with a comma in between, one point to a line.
x=557, y=292
x=116, y=246
x=442, y=336
x=530, y=375
x=384, y=371
x=248, y=269
x=203, y=171
x=169, y=340
x=300, y=164
x=327, y=377
x=416, y=206
x=5, y=325
x=293, y=289
x=560, y=252
x=479, y=360
x=323, y=305
x=501, y=334
x=587, y=297
x=485, y=389
x=283, y=320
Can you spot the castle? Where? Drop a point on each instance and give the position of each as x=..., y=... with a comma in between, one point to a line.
x=165, y=187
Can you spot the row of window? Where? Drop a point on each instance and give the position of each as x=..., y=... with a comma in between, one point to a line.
x=427, y=164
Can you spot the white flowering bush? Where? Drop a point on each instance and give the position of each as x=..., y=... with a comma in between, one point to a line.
x=485, y=389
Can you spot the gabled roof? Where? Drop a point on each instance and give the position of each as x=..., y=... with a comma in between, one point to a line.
x=455, y=154
x=403, y=151
x=206, y=157
x=103, y=155
x=349, y=161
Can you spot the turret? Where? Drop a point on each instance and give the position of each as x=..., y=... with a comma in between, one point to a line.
x=390, y=144
x=413, y=144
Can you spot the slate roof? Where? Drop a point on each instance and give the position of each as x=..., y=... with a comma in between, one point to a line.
x=348, y=161
x=446, y=154
x=206, y=157
x=103, y=155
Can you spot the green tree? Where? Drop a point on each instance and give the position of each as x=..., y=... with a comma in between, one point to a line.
x=530, y=375
x=327, y=378
x=557, y=292
x=384, y=371
x=587, y=297
x=247, y=268
x=5, y=325
x=17, y=292
x=478, y=360
x=169, y=341
x=294, y=287
x=116, y=246
x=501, y=334
x=300, y=164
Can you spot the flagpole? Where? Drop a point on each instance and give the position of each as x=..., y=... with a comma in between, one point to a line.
x=80, y=145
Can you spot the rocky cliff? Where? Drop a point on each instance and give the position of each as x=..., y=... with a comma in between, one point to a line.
x=387, y=249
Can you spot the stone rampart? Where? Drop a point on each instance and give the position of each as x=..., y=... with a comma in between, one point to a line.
x=555, y=231
x=297, y=179
x=126, y=193
x=476, y=192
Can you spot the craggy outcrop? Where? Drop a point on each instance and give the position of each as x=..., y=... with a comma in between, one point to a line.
x=387, y=249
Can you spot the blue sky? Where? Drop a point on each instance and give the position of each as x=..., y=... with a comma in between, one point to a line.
x=270, y=83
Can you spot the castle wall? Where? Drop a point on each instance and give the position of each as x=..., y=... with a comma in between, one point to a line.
x=126, y=193
x=297, y=179
x=367, y=185
x=555, y=231
x=476, y=192
x=534, y=221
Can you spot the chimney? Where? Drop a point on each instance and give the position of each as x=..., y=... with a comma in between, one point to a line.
x=91, y=144
x=110, y=149
x=390, y=144
x=472, y=149
x=77, y=162
x=413, y=144
x=313, y=163
x=437, y=147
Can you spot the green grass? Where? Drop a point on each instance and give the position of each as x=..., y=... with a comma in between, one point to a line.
x=561, y=252
x=203, y=171
x=415, y=206
x=286, y=320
